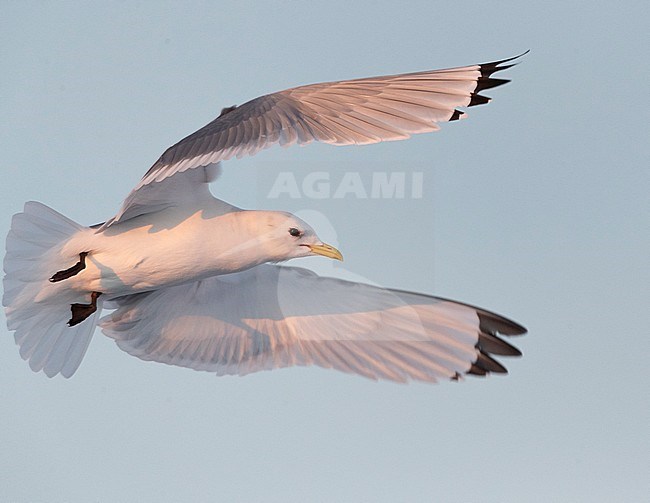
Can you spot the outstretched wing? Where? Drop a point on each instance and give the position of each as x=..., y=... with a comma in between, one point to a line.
x=347, y=112
x=275, y=316
x=187, y=187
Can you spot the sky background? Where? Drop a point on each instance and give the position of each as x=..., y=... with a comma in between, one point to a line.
x=535, y=207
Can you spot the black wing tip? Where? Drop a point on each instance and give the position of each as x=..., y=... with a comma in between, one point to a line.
x=489, y=343
x=475, y=370
x=456, y=115
x=491, y=323
x=477, y=99
x=488, y=69
x=485, y=365
x=489, y=83
x=485, y=81
x=227, y=110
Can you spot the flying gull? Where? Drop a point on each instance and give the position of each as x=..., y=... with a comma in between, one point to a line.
x=194, y=281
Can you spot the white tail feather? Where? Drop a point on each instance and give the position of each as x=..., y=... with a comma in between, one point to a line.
x=41, y=330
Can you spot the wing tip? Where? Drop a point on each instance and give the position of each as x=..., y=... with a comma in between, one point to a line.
x=485, y=81
x=485, y=365
x=488, y=69
x=491, y=323
x=489, y=344
x=227, y=110
x=456, y=115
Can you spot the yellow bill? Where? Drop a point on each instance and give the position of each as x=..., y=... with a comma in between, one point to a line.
x=326, y=251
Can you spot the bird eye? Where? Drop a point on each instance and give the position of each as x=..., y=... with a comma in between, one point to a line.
x=295, y=232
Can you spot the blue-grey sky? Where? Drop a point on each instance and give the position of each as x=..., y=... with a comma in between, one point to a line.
x=536, y=207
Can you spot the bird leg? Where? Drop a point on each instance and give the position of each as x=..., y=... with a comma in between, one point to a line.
x=81, y=311
x=71, y=271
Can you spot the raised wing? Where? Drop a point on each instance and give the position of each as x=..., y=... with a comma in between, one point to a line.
x=187, y=187
x=274, y=316
x=346, y=112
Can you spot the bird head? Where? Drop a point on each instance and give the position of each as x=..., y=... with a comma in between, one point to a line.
x=283, y=236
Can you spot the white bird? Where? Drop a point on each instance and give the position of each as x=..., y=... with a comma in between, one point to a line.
x=193, y=280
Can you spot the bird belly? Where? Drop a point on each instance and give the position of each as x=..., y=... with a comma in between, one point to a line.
x=130, y=258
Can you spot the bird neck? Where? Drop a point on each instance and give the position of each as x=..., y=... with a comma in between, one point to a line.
x=240, y=240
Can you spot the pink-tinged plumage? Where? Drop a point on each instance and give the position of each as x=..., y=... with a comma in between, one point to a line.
x=189, y=276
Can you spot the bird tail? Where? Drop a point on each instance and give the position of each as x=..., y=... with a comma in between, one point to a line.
x=37, y=310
